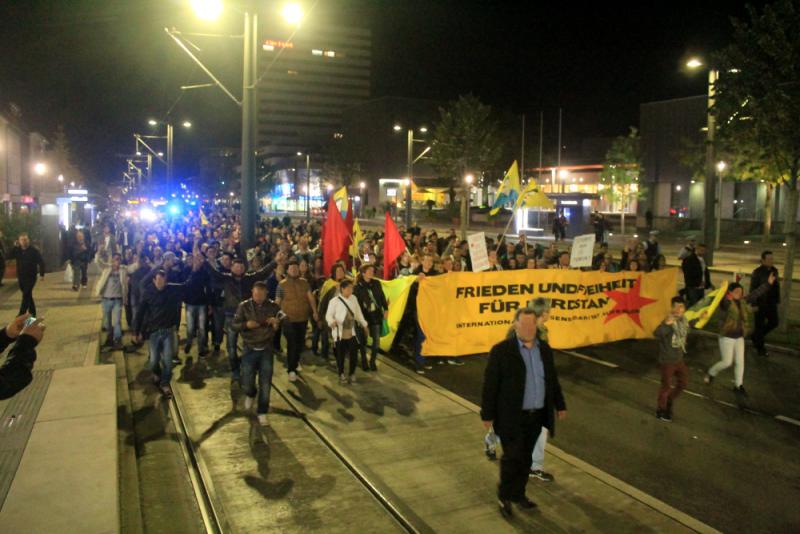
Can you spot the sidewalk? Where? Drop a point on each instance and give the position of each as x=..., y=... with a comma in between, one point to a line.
x=58, y=436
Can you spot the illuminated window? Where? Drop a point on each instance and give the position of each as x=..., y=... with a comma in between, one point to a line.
x=292, y=72
x=338, y=135
x=330, y=53
x=269, y=48
x=316, y=52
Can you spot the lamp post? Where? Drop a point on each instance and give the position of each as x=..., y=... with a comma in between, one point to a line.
x=410, y=163
x=468, y=179
x=170, y=137
x=708, y=189
x=361, y=187
x=720, y=169
x=293, y=14
x=308, y=184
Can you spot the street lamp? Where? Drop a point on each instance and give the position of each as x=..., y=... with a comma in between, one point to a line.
x=152, y=122
x=361, y=187
x=307, y=187
x=187, y=124
x=708, y=189
x=40, y=168
x=293, y=14
x=170, y=141
x=563, y=174
x=720, y=169
x=61, y=178
x=410, y=163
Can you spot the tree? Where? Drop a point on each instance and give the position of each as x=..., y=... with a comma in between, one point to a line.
x=62, y=159
x=621, y=171
x=758, y=104
x=344, y=160
x=465, y=140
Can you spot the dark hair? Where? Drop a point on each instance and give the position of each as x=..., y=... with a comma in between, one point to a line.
x=765, y=254
x=291, y=262
x=734, y=285
x=261, y=285
x=116, y=255
x=678, y=300
x=563, y=252
x=238, y=260
x=161, y=272
x=345, y=284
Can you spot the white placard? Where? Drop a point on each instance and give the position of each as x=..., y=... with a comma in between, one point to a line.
x=477, y=252
x=582, y=251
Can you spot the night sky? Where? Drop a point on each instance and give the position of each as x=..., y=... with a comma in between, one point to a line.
x=102, y=67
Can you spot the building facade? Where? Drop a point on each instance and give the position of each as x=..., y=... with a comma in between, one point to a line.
x=305, y=84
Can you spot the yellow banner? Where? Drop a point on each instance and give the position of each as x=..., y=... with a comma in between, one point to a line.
x=467, y=313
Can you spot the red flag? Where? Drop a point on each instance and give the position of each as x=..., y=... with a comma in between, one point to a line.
x=335, y=238
x=348, y=218
x=393, y=246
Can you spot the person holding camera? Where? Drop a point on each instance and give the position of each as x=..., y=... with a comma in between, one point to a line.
x=257, y=320
x=342, y=315
x=25, y=332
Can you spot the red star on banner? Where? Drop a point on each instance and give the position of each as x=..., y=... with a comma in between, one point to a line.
x=629, y=303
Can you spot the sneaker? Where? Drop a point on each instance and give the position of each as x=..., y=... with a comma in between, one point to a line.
x=342, y=379
x=117, y=344
x=505, y=508
x=176, y=360
x=203, y=353
x=299, y=368
x=292, y=376
x=74, y=288
x=740, y=391
x=352, y=379
x=262, y=419
x=708, y=379
x=457, y=363
x=166, y=391
x=440, y=361
x=663, y=415
x=248, y=402
x=428, y=367
x=420, y=371
x=491, y=453
x=541, y=475
x=83, y=286
x=373, y=366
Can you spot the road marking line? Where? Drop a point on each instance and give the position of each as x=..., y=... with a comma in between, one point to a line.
x=590, y=359
x=787, y=420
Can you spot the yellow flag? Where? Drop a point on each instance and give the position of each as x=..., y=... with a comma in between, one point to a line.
x=396, y=293
x=340, y=197
x=508, y=193
x=532, y=197
x=203, y=219
x=703, y=310
x=358, y=237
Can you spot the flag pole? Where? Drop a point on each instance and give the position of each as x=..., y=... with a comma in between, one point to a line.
x=513, y=214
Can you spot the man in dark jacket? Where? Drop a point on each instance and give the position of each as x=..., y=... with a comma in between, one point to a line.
x=29, y=261
x=196, y=298
x=16, y=372
x=157, y=318
x=373, y=303
x=766, y=315
x=521, y=394
x=257, y=319
x=237, y=287
x=695, y=275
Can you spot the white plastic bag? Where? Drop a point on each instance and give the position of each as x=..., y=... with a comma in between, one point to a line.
x=68, y=273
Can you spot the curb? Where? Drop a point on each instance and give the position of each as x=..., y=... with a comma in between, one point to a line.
x=623, y=487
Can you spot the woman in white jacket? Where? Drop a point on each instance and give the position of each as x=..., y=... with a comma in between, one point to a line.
x=344, y=316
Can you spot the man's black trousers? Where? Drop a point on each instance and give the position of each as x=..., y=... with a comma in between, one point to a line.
x=517, y=450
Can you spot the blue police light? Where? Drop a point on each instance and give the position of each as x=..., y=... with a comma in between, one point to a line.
x=174, y=209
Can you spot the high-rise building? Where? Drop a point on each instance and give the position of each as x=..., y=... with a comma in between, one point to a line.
x=306, y=80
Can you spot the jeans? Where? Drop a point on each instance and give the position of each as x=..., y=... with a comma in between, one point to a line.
x=375, y=335
x=260, y=362
x=218, y=318
x=766, y=319
x=537, y=458
x=27, y=304
x=667, y=393
x=112, y=314
x=325, y=338
x=295, y=333
x=347, y=347
x=162, y=350
x=196, y=325
x=79, y=268
x=732, y=352
x=231, y=346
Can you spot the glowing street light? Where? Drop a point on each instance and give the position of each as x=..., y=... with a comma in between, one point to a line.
x=721, y=166
x=468, y=179
x=40, y=168
x=694, y=63
x=397, y=127
x=292, y=13
x=362, y=185
x=61, y=178
x=207, y=9
x=423, y=130
x=187, y=124
x=152, y=122
x=160, y=154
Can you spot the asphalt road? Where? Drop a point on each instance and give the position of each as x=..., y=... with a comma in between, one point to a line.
x=735, y=469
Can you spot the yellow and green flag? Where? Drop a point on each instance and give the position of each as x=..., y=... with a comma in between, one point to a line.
x=532, y=197
x=707, y=304
x=396, y=292
x=509, y=190
x=340, y=198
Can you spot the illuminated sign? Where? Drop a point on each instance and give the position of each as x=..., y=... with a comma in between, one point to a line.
x=77, y=191
x=133, y=201
x=272, y=44
x=78, y=199
x=391, y=192
x=27, y=199
x=569, y=202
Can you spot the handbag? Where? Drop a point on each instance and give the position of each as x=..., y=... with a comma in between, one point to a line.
x=357, y=329
x=68, y=273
